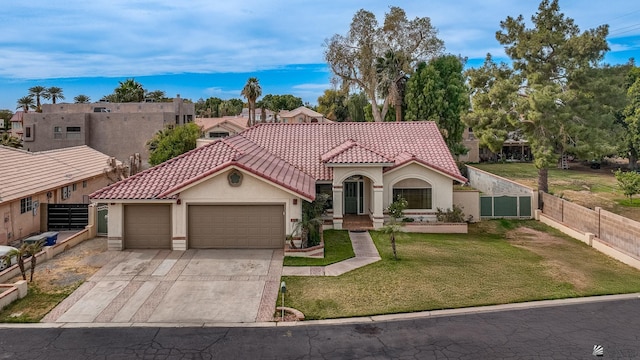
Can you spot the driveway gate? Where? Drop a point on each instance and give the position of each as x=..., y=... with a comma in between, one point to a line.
x=67, y=216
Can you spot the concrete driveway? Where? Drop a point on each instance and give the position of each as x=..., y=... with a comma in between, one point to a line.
x=163, y=286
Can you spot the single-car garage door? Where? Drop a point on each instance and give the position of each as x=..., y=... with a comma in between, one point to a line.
x=236, y=226
x=147, y=226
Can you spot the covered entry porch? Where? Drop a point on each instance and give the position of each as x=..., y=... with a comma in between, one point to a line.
x=357, y=199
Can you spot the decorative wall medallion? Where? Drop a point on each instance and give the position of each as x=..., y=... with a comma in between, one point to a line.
x=235, y=178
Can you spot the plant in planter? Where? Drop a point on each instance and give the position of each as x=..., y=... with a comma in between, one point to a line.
x=454, y=215
x=310, y=226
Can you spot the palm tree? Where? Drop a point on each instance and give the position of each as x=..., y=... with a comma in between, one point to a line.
x=38, y=91
x=55, y=93
x=82, y=99
x=25, y=103
x=251, y=92
x=33, y=249
x=130, y=91
x=156, y=95
x=391, y=79
x=11, y=141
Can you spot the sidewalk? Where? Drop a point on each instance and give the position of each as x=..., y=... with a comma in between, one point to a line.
x=363, y=247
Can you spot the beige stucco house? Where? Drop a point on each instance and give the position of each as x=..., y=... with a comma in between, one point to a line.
x=30, y=181
x=301, y=115
x=116, y=129
x=246, y=191
x=222, y=127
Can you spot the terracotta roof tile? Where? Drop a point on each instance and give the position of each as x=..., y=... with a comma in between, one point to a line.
x=292, y=155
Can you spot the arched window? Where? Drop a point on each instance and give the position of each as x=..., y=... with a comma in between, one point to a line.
x=417, y=193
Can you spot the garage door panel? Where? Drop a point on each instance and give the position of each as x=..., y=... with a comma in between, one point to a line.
x=147, y=227
x=236, y=226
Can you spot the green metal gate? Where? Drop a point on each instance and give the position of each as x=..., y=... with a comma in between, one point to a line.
x=505, y=206
x=103, y=222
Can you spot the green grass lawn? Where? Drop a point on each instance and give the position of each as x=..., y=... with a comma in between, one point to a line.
x=486, y=266
x=601, y=181
x=33, y=307
x=337, y=247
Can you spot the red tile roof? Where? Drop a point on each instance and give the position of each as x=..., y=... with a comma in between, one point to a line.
x=293, y=156
x=351, y=152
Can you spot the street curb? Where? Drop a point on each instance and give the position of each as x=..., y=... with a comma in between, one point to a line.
x=343, y=321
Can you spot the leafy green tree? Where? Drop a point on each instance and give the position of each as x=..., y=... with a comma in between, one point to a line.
x=208, y=108
x=37, y=92
x=277, y=103
x=231, y=107
x=252, y=91
x=81, y=99
x=356, y=105
x=11, y=141
x=352, y=57
x=129, y=91
x=437, y=91
x=333, y=105
x=169, y=143
x=628, y=182
x=25, y=103
x=540, y=96
x=54, y=93
x=5, y=118
x=629, y=119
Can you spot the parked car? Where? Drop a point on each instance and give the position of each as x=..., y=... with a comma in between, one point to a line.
x=4, y=250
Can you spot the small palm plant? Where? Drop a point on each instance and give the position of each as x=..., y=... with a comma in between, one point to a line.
x=396, y=211
x=309, y=227
x=24, y=251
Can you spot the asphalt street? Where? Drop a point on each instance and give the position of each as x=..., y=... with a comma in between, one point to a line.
x=559, y=332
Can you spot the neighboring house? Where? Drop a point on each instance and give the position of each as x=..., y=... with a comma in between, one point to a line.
x=269, y=116
x=246, y=191
x=16, y=124
x=472, y=144
x=302, y=115
x=117, y=129
x=216, y=128
x=29, y=181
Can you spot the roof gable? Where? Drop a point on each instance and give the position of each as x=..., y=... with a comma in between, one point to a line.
x=351, y=152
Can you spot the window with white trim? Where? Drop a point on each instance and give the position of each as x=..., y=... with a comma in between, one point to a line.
x=417, y=192
x=26, y=205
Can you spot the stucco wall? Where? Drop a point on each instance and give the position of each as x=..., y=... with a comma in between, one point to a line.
x=442, y=186
x=469, y=201
x=43, y=136
x=15, y=226
x=253, y=190
x=495, y=185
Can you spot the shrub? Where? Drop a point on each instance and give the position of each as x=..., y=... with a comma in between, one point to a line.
x=454, y=215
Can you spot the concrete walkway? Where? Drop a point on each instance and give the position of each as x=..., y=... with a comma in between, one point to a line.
x=363, y=247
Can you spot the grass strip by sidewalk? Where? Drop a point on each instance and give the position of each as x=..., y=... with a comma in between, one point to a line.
x=337, y=247
x=487, y=266
x=38, y=302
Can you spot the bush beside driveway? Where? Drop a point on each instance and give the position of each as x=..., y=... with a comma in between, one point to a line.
x=498, y=262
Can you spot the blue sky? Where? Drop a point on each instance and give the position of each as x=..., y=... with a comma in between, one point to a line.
x=204, y=48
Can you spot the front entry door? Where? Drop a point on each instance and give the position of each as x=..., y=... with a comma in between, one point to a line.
x=353, y=200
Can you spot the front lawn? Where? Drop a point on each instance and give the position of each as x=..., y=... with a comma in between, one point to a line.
x=337, y=247
x=497, y=262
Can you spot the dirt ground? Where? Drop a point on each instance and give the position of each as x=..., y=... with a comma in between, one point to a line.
x=545, y=244
x=72, y=266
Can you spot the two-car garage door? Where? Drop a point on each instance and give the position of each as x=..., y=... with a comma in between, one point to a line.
x=236, y=226
x=209, y=226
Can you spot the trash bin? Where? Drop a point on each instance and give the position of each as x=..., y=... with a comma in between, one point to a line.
x=35, y=238
x=51, y=236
